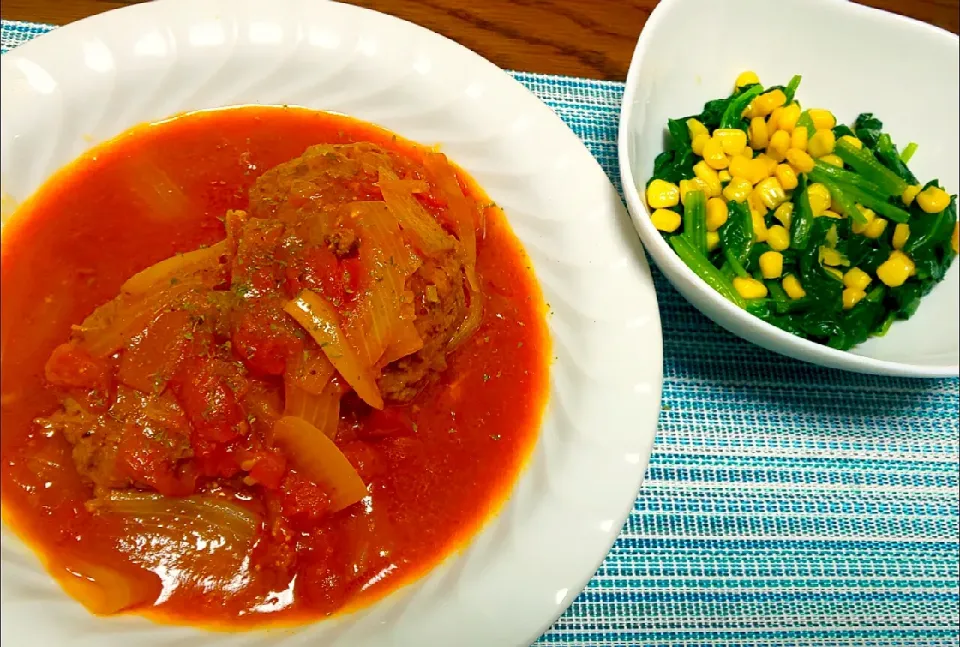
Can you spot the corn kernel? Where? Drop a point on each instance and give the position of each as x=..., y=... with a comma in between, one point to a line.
x=856, y=278
x=876, y=228
x=833, y=237
x=713, y=240
x=717, y=213
x=755, y=202
x=832, y=160
x=822, y=143
x=699, y=143
x=757, y=171
x=709, y=177
x=746, y=78
x=895, y=271
x=759, y=136
x=771, y=192
x=831, y=257
x=868, y=215
x=713, y=154
x=695, y=128
x=759, y=226
x=693, y=184
x=910, y=193
x=851, y=297
x=831, y=214
x=799, y=138
x=788, y=118
x=733, y=140
x=661, y=194
x=933, y=199
x=779, y=145
x=771, y=265
x=773, y=121
x=724, y=176
x=749, y=288
x=799, y=160
x=786, y=176
x=665, y=220
x=784, y=213
x=834, y=272
x=737, y=190
x=778, y=238
x=900, y=235
x=768, y=102
x=791, y=285
x=819, y=196
x=747, y=152
x=771, y=164
x=822, y=119
x=739, y=166
x=853, y=141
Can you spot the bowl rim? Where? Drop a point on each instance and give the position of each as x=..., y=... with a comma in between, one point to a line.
x=659, y=249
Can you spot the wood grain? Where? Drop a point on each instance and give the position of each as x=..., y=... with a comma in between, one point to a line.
x=573, y=37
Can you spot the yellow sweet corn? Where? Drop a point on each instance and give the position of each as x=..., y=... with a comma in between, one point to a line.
x=771, y=192
x=717, y=213
x=693, y=184
x=758, y=170
x=750, y=288
x=773, y=121
x=713, y=240
x=786, y=175
x=779, y=145
x=895, y=271
x=771, y=265
x=851, y=297
x=665, y=220
x=739, y=166
x=759, y=225
x=868, y=214
x=822, y=143
x=713, y=154
x=853, y=141
x=788, y=118
x=709, y=177
x=695, y=128
x=910, y=193
x=834, y=272
x=831, y=214
x=876, y=228
x=933, y=199
x=833, y=160
x=822, y=119
x=799, y=160
x=791, y=285
x=831, y=257
x=662, y=194
x=746, y=78
x=737, y=190
x=900, y=235
x=767, y=103
x=833, y=237
x=856, y=278
x=778, y=237
x=698, y=143
x=733, y=140
x=770, y=163
x=747, y=152
x=724, y=176
x=784, y=213
x=819, y=198
x=759, y=136
x=799, y=138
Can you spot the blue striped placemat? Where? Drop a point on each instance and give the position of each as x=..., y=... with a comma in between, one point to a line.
x=784, y=504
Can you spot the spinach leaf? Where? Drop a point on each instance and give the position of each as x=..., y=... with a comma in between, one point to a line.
x=868, y=129
x=736, y=237
x=802, y=216
x=887, y=155
x=733, y=115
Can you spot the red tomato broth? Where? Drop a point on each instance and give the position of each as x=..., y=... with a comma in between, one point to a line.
x=163, y=188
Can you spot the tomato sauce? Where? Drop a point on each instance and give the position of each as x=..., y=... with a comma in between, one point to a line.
x=164, y=188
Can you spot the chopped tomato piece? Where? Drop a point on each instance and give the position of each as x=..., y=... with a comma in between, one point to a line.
x=209, y=400
x=73, y=367
x=304, y=502
x=267, y=468
x=265, y=338
x=387, y=422
x=153, y=460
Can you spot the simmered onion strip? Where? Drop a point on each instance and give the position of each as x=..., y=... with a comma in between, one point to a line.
x=105, y=590
x=461, y=211
x=424, y=231
x=310, y=371
x=321, y=320
x=407, y=342
x=200, y=263
x=322, y=410
x=317, y=458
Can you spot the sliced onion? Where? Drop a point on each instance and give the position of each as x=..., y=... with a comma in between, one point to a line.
x=322, y=410
x=406, y=342
x=462, y=212
x=310, y=371
x=424, y=232
x=317, y=458
x=105, y=590
x=319, y=318
x=470, y=324
x=203, y=263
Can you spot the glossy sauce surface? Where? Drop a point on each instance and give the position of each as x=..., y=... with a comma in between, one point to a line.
x=163, y=189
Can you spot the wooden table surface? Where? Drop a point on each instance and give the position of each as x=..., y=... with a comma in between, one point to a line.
x=588, y=38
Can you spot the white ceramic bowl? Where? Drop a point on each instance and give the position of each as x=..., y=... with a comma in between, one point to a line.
x=853, y=59
x=91, y=80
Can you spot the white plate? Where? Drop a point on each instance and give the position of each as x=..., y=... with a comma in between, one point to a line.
x=93, y=79
x=904, y=71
